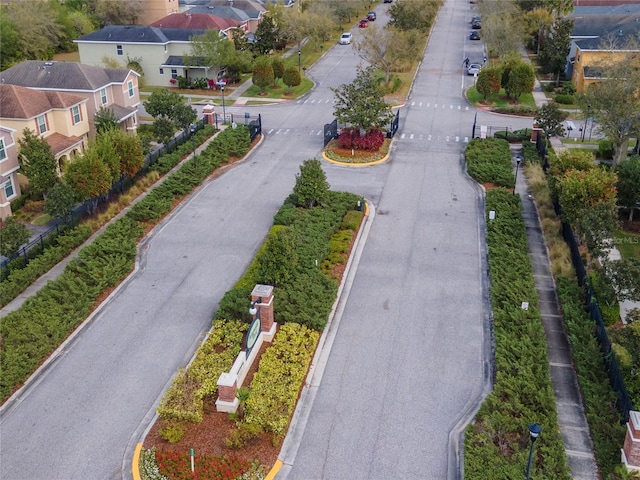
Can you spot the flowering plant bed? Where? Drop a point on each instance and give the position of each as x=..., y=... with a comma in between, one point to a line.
x=347, y=155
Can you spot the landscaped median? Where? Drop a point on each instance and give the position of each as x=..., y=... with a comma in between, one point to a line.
x=303, y=257
x=497, y=441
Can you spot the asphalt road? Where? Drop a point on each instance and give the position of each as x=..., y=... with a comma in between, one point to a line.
x=407, y=363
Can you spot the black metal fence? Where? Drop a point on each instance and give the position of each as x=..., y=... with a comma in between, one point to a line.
x=393, y=128
x=255, y=126
x=330, y=131
x=119, y=186
x=623, y=402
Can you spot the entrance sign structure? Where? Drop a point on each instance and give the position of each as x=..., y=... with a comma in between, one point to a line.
x=262, y=329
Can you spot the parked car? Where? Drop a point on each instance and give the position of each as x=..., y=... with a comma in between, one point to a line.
x=474, y=35
x=476, y=25
x=371, y=16
x=387, y=1
x=345, y=39
x=475, y=18
x=474, y=69
x=364, y=23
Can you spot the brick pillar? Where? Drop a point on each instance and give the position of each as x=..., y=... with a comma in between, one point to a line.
x=631, y=449
x=209, y=112
x=535, y=132
x=263, y=295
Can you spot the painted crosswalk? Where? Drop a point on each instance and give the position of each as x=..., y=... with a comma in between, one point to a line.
x=435, y=106
x=418, y=137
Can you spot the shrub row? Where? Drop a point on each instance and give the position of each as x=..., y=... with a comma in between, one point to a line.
x=489, y=161
x=21, y=277
x=31, y=333
x=305, y=295
x=184, y=399
x=281, y=373
x=513, y=136
x=497, y=443
x=599, y=399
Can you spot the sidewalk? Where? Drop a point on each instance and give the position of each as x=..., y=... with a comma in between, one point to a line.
x=572, y=420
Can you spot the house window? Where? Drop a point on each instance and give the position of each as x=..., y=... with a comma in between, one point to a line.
x=119, y=50
x=8, y=189
x=76, y=116
x=174, y=73
x=162, y=71
x=42, y=124
x=130, y=87
x=3, y=151
x=103, y=96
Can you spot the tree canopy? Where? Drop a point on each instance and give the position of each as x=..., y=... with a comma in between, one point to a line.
x=361, y=103
x=37, y=162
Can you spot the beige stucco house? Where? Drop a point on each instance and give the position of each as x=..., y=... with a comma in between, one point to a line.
x=9, y=185
x=109, y=88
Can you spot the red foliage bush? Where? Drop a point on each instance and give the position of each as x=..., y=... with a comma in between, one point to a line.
x=350, y=138
x=177, y=466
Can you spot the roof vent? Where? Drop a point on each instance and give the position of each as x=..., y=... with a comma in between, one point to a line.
x=620, y=32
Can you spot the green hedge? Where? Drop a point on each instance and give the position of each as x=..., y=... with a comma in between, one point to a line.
x=306, y=296
x=32, y=333
x=497, y=443
x=607, y=431
x=489, y=161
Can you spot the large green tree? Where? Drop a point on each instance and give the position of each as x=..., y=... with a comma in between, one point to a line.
x=549, y=117
x=614, y=101
x=37, y=162
x=169, y=106
x=267, y=35
x=13, y=235
x=262, y=73
x=361, y=103
x=89, y=177
x=311, y=186
x=37, y=27
x=553, y=55
x=60, y=201
x=521, y=80
x=413, y=15
x=291, y=78
x=488, y=81
x=629, y=185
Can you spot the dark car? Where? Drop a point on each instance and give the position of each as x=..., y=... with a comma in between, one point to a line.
x=387, y=1
x=364, y=23
x=474, y=35
x=475, y=18
x=371, y=16
x=476, y=25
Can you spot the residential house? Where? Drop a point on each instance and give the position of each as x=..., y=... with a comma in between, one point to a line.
x=600, y=35
x=152, y=10
x=109, y=88
x=152, y=46
x=245, y=11
x=9, y=185
x=59, y=118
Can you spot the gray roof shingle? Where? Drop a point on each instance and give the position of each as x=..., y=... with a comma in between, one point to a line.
x=139, y=34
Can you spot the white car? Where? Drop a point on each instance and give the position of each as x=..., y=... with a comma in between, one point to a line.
x=345, y=39
x=474, y=69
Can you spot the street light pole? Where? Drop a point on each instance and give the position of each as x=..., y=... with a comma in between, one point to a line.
x=221, y=84
x=584, y=128
x=515, y=181
x=299, y=53
x=534, y=431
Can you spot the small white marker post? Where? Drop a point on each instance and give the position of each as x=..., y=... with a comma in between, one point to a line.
x=192, y=465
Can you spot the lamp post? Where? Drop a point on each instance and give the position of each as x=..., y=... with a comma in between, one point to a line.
x=221, y=84
x=193, y=142
x=299, y=53
x=584, y=127
x=534, y=431
x=515, y=181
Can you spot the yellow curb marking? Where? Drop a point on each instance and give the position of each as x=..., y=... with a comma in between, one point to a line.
x=135, y=467
x=274, y=471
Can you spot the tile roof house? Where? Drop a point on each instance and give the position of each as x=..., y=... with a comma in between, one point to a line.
x=59, y=118
x=244, y=11
x=9, y=165
x=113, y=89
x=151, y=46
x=597, y=26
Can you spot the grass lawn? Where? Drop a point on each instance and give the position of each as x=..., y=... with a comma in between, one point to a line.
x=500, y=99
x=280, y=90
x=628, y=244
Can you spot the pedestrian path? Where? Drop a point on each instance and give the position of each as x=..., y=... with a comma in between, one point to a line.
x=572, y=420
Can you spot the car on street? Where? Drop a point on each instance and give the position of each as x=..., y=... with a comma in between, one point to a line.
x=474, y=35
x=364, y=23
x=476, y=25
x=475, y=18
x=345, y=39
x=474, y=69
x=371, y=16
x=387, y=1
